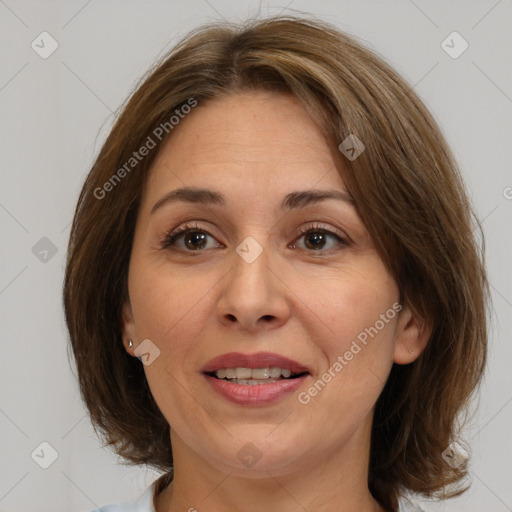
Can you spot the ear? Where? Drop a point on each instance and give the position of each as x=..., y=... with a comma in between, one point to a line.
x=412, y=336
x=128, y=329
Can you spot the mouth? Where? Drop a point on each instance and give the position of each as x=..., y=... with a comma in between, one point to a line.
x=254, y=379
x=255, y=376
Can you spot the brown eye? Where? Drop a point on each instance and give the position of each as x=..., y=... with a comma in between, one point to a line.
x=316, y=239
x=194, y=238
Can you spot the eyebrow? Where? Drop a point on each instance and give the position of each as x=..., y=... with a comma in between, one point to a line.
x=293, y=200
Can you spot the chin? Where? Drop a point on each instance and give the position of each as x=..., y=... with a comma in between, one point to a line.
x=256, y=450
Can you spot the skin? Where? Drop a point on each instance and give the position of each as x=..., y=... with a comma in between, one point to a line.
x=306, y=304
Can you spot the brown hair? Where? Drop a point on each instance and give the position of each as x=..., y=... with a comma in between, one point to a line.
x=408, y=192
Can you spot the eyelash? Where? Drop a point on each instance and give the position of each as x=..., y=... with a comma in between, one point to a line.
x=170, y=238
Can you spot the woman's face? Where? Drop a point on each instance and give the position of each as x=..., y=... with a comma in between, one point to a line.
x=271, y=277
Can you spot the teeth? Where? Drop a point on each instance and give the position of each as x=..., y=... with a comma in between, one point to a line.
x=243, y=373
x=252, y=375
x=275, y=372
x=260, y=373
x=252, y=382
x=230, y=373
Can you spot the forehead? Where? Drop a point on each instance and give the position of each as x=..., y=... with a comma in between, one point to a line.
x=251, y=141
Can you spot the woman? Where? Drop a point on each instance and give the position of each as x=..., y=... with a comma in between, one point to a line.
x=272, y=290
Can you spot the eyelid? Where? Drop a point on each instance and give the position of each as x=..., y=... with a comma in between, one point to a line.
x=342, y=239
x=317, y=226
x=170, y=236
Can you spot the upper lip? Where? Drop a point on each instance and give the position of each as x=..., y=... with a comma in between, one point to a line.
x=258, y=360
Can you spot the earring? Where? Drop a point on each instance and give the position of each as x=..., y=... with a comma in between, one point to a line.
x=411, y=351
x=130, y=343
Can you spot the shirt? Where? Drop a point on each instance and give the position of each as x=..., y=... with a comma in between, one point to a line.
x=145, y=504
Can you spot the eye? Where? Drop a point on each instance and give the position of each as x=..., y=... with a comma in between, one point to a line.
x=193, y=236
x=316, y=237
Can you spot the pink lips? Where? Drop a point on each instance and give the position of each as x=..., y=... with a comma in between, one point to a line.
x=260, y=394
x=258, y=360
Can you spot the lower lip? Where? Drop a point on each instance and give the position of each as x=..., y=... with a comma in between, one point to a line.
x=259, y=394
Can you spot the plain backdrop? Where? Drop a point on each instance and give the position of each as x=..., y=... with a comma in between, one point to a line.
x=54, y=115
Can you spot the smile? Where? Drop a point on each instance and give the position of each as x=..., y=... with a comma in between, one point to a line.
x=254, y=379
x=252, y=376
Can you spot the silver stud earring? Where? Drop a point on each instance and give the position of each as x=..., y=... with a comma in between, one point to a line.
x=411, y=351
x=130, y=343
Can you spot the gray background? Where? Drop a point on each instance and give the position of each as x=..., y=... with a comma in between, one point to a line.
x=55, y=113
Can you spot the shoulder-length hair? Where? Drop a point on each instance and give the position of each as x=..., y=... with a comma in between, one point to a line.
x=407, y=189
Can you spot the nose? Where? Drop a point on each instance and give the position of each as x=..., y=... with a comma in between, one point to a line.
x=253, y=295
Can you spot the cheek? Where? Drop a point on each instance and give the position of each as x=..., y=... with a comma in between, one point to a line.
x=166, y=301
x=357, y=302
x=358, y=354
x=170, y=308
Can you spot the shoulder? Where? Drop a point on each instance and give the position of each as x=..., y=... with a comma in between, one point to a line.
x=144, y=503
